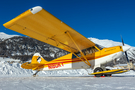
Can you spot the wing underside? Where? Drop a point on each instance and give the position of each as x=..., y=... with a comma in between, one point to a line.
x=43, y=26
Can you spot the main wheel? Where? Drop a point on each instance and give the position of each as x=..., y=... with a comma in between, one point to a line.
x=98, y=69
x=108, y=75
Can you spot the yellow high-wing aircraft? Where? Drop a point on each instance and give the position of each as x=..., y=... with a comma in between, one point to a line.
x=41, y=25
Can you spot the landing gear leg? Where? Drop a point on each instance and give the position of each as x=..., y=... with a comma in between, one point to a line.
x=34, y=75
x=87, y=71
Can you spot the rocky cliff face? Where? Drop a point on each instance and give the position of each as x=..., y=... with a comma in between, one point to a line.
x=23, y=48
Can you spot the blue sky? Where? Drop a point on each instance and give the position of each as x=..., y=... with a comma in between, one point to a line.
x=102, y=19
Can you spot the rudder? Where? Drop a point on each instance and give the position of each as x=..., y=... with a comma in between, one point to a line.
x=37, y=58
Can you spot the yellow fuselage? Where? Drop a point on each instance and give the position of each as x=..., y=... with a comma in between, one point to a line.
x=69, y=61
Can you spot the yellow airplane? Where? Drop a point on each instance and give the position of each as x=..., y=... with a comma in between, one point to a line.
x=84, y=54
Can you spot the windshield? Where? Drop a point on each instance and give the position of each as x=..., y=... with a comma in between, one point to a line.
x=99, y=46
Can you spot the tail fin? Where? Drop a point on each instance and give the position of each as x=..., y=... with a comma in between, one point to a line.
x=37, y=62
x=37, y=58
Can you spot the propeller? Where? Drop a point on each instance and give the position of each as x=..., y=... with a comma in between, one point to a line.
x=125, y=48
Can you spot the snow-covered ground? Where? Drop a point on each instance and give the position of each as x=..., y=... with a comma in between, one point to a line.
x=14, y=69
x=67, y=83
x=13, y=77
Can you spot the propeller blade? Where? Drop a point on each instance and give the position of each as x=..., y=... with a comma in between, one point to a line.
x=127, y=56
x=125, y=51
x=122, y=41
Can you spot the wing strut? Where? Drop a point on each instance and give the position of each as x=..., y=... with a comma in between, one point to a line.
x=87, y=62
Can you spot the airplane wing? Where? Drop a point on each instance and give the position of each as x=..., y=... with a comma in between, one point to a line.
x=43, y=26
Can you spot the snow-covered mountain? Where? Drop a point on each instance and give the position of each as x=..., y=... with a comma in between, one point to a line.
x=23, y=48
x=12, y=44
x=106, y=42
x=5, y=36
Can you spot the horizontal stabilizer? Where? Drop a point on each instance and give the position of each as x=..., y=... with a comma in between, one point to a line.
x=28, y=65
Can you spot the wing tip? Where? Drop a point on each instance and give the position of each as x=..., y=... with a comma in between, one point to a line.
x=36, y=9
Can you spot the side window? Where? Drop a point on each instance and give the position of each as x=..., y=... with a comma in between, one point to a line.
x=87, y=51
x=78, y=54
x=91, y=50
x=84, y=52
x=73, y=56
x=99, y=46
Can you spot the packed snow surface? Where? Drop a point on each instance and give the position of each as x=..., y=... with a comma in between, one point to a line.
x=67, y=83
x=13, y=77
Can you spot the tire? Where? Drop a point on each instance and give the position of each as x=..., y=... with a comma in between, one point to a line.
x=98, y=69
x=108, y=75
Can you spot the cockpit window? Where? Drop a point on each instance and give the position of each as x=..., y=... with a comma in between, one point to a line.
x=91, y=50
x=99, y=46
x=87, y=51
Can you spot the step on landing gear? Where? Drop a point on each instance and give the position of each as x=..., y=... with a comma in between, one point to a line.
x=34, y=75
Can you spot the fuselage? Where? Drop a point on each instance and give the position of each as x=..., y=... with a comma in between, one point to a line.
x=70, y=61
